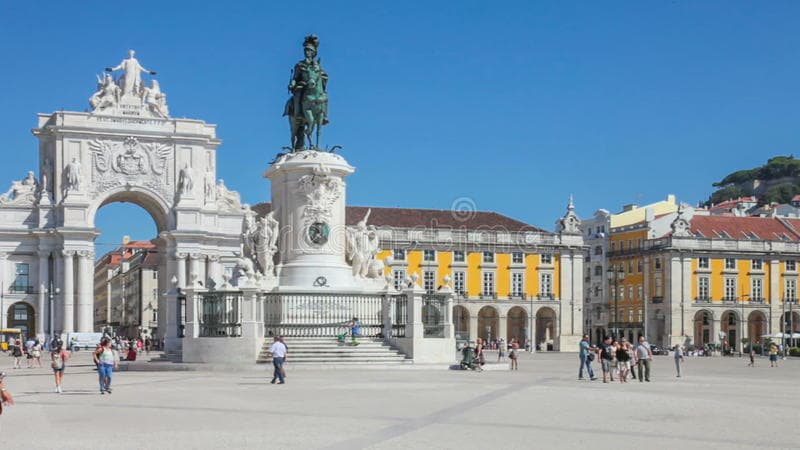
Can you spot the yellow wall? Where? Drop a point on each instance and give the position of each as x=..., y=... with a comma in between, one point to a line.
x=557, y=276
x=694, y=278
x=532, y=274
x=474, y=273
x=413, y=258
x=444, y=259
x=717, y=286
x=744, y=279
x=382, y=254
x=502, y=278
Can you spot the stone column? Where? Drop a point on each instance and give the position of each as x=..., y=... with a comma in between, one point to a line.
x=44, y=276
x=67, y=310
x=192, y=329
x=502, y=327
x=180, y=268
x=473, y=327
x=414, y=326
x=85, y=288
x=3, y=305
x=775, y=295
x=214, y=272
x=194, y=270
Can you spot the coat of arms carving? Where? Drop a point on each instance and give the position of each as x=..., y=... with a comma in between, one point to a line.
x=129, y=162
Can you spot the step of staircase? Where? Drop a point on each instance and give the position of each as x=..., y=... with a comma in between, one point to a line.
x=310, y=351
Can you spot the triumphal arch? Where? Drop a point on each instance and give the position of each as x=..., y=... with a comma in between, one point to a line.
x=124, y=148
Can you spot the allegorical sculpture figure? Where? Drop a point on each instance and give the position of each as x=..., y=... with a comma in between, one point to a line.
x=131, y=80
x=21, y=191
x=107, y=94
x=155, y=100
x=362, y=246
x=185, y=181
x=307, y=109
x=72, y=176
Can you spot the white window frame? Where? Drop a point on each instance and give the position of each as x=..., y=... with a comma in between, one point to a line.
x=730, y=263
x=515, y=260
x=429, y=281
x=399, y=276
x=791, y=265
x=488, y=258
x=703, y=288
x=757, y=264
x=401, y=252
x=425, y=254
x=546, y=285
x=546, y=258
x=460, y=282
x=729, y=284
x=756, y=288
x=703, y=262
x=790, y=289
x=459, y=256
x=517, y=284
x=488, y=284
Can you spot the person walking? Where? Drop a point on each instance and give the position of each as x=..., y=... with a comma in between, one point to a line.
x=631, y=360
x=479, y=356
x=622, y=360
x=586, y=353
x=501, y=350
x=106, y=362
x=513, y=354
x=606, y=358
x=278, y=352
x=644, y=355
x=58, y=361
x=752, y=357
x=773, y=355
x=16, y=352
x=37, y=353
x=678, y=354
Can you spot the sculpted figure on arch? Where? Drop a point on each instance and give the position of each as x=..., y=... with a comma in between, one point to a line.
x=131, y=80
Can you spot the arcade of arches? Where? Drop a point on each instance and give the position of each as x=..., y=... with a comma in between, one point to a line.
x=495, y=321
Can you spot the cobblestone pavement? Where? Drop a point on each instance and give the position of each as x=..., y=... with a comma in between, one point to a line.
x=719, y=403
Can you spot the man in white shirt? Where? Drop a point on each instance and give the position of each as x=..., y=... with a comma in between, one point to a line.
x=278, y=352
x=644, y=355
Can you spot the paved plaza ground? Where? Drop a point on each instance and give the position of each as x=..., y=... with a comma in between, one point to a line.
x=720, y=403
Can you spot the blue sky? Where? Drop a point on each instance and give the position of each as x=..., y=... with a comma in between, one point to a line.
x=514, y=104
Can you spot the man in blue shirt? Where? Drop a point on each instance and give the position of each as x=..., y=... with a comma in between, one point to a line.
x=586, y=360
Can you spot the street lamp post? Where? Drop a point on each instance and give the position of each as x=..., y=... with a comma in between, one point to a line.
x=616, y=276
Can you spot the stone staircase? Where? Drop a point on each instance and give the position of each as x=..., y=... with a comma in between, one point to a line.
x=328, y=351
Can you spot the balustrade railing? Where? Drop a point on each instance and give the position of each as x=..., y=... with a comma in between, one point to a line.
x=321, y=314
x=219, y=314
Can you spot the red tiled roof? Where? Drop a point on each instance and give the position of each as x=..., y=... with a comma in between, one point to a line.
x=429, y=218
x=796, y=198
x=732, y=202
x=731, y=227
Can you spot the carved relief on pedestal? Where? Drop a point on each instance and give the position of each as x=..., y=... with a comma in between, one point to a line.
x=130, y=163
x=320, y=191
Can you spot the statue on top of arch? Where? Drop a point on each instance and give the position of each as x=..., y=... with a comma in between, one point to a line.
x=128, y=95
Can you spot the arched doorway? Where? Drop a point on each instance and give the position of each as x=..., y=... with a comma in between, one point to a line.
x=703, y=328
x=729, y=322
x=517, y=327
x=21, y=315
x=461, y=322
x=756, y=326
x=487, y=323
x=545, y=329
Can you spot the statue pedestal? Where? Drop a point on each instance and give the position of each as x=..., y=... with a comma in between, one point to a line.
x=308, y=197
